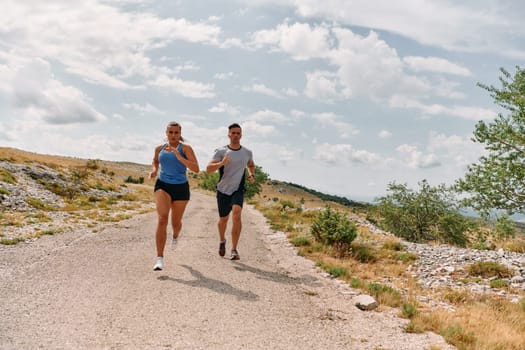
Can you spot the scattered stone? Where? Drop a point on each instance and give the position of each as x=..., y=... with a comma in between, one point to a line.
x=365, y=302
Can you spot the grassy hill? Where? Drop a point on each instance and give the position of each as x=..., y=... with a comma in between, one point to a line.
x=47, y=195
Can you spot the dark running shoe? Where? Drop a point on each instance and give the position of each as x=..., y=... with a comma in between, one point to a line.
x=222, y=248
x=235, y=255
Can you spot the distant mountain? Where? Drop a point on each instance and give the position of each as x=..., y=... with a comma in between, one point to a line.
x=330, y=197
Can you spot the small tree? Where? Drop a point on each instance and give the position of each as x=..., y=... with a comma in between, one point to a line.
x=251, y=189
x=504, y=227
x=209, y=182
x=428, y=214
x=333, y=228
x=497, y=181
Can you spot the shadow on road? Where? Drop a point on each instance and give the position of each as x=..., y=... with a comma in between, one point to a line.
x=217, y=286
x=276, y=276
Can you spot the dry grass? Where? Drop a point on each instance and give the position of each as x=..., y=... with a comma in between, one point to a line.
x=78, y=209
x=482, y=324
x=378, y=265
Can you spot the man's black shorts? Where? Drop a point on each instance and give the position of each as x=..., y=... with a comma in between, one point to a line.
x=225, y=202
x=177, y=192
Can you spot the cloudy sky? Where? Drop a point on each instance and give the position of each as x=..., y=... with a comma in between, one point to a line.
x=341, y=96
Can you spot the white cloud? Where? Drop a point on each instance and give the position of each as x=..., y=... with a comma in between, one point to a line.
x=469, y=26
x=290, y=92
x=297, y=114
x=299, y=40
x=273, y=153
x=331, y=120
x=338, y=154
x=257, y=128
x=185, y=88
x=102, y=44
x=5, y=133
x=384, y=134
x=262, y=89
x=143, y=109
x=369, y=67
x=460, y=149
x=224, y=76
x=268, y=116
x=365, y=66
x=414, y=158
x=435, y=64
x=464, y=112
x=322, y=86
x=37, y=95
x=223, y=107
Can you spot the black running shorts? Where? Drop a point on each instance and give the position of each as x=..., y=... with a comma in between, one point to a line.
x=177, y=192
x=225, y=202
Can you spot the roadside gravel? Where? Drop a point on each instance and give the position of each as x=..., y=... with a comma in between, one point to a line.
x=85, y=290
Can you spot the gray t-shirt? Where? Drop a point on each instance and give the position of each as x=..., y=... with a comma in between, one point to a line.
x=232, y=174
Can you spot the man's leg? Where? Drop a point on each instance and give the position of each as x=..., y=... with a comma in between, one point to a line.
x=221, y=225
x=236, y=225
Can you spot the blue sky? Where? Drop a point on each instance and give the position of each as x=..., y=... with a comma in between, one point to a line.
x=340, y=96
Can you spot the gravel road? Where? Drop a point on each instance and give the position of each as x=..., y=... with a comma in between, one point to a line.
x=85, y=290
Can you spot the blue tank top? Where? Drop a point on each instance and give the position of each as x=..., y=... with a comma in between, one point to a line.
x=172, y=170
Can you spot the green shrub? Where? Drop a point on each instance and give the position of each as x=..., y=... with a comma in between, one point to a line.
x=132, y=180
x=11, y=241
x=455, y=335
x=356, y=283
x=384, y=294
x=209, y=181
x=488, y=269
x=333, y=269
x=456, y=297
x=363, y=254
x=37, y=203
x=393, y=245
x=92, y=164
x=411, y=327
x=406, y=257
x=499, y=284
x=7, y=177
x=480, y=246
x=337, y=271
x=377, y=289
x=285, y=204
x=430, y=213
x=300, y=241
x=333, y=228
x=409, y=310
x=504, y=227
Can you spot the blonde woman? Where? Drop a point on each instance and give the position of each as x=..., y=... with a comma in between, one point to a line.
x=172, y=190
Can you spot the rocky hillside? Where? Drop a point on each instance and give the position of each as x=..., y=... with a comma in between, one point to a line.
x=46, y=195
x=42, y=194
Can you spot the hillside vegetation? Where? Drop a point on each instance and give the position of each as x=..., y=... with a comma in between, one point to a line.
x=46, y=195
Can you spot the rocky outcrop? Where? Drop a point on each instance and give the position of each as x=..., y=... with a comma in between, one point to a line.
x=439, y=267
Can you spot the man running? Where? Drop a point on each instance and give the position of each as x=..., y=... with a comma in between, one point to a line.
x=231, y=161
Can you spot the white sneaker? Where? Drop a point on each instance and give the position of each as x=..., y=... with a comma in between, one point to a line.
x=159, y=264
x=174, y=243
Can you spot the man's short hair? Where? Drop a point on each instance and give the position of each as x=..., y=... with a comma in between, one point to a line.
x=234, y=125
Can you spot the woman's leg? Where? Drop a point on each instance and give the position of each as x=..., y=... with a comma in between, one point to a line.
x=163, y=201
x=177, y=211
